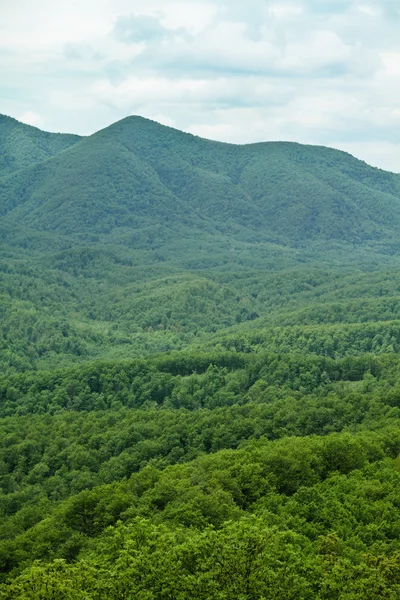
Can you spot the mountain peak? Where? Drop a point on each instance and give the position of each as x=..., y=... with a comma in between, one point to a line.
x=137, y=173
x=136, y=124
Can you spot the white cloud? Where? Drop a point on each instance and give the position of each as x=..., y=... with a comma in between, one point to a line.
x=283, y=11
x=325, y=72
x=224, y=46
x=316, y=50
x=31, y=118
x=137, y=91
x=391, y=63
x=48, y=25
x=182, y=100
x=385, y=155
x=371, y=11
x=193, y=16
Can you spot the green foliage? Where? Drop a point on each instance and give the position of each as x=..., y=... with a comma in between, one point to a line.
x=23, y=145
x=269, y=516
x=199, y=355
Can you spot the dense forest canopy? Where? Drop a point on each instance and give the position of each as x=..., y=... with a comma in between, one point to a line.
x=199, y=369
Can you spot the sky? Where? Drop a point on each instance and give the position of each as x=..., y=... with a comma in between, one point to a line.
x=321, y=72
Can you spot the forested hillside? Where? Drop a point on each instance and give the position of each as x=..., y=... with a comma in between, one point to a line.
x=199, y=369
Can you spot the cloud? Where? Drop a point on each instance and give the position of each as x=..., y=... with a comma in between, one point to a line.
x=284, y=11
x=31, y=118
x=329, y=7
x=318, y=50
x=222, y=47
x=391, y=63
x=324, y=72
x=378, y=154
x=142, y=28
x=138, y=92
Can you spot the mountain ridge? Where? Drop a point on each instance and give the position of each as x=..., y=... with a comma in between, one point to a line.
x=137, y=172
x=23, y=145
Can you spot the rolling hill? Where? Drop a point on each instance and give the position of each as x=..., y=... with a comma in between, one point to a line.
x=199, y=365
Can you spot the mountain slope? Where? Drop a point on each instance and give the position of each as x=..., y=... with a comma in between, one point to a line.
x=199, y=367
x=137, y=173
x=22, y=145
x=140, y=237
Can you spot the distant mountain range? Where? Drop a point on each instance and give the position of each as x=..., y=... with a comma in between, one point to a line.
x=138, y=176
x=140, y=237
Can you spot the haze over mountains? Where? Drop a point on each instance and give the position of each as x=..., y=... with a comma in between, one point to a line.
x=199, y=355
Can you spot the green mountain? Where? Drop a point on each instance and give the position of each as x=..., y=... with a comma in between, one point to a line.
x=199, y=359
x=137, y=174
x=22, y=145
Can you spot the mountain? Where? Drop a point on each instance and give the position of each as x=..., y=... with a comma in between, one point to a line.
x=140, y=237
x=137, y=174
x=199, y=359
x=22, y=145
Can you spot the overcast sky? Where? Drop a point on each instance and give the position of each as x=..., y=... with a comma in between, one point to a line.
x=313, y=71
